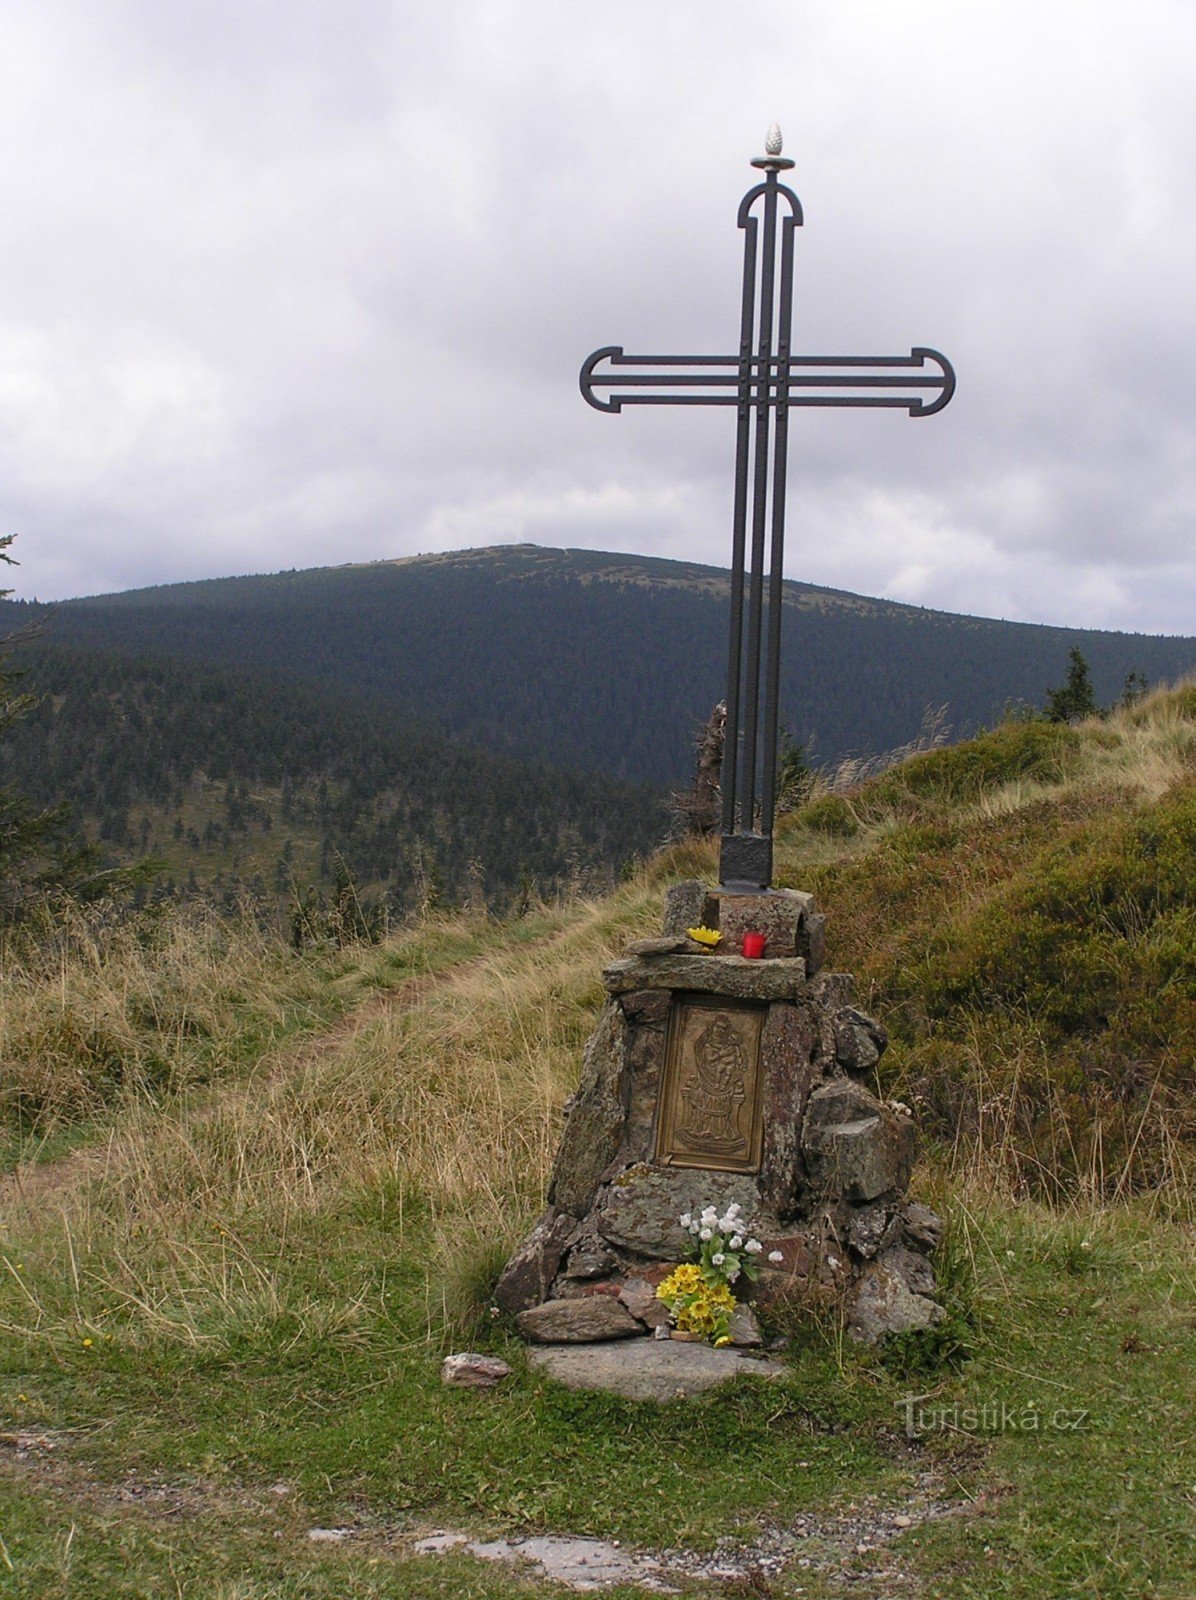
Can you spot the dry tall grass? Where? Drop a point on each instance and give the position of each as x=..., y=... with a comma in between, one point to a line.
x=98, y=1009
x=439, y=1117
x=432, y=1124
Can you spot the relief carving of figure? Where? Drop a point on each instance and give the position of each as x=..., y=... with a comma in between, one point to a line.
x=712, y=1095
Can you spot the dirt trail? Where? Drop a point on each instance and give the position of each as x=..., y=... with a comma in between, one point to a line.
x=853, y=1550
x=33, y=1183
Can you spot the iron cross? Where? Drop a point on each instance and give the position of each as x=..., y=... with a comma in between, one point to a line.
x=764, y=380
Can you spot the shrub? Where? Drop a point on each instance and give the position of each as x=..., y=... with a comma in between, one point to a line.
x=831, y=815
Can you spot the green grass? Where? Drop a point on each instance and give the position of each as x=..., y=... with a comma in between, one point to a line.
x=1090, y=1314
x=1018, y=910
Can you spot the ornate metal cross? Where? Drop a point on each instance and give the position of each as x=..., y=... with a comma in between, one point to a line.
x=763, y=379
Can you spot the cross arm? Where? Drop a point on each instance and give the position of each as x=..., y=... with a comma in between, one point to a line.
x=677, y=380
x=920, y=383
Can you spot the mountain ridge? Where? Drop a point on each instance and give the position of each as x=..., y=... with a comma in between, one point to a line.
x=599, y=663
x=605, y=566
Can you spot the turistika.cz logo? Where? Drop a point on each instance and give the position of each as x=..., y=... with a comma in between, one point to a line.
x=991, y=1416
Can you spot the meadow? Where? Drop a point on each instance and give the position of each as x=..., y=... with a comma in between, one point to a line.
x=251, y=1196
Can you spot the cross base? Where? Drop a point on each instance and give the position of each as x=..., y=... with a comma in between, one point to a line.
x=745, y=861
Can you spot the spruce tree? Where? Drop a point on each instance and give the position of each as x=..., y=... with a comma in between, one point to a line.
x=1075, y=699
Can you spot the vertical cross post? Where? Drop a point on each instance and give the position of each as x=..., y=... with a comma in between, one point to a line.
x=768, y=380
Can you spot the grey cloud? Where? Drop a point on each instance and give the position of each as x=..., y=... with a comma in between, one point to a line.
x=295, y=283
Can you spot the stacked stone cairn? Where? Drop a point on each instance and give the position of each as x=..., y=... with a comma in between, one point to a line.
x=713, y=1078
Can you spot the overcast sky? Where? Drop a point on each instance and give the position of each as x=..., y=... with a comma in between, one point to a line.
x=291, y=283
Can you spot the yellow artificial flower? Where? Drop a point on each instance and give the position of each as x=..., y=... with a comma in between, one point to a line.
x=704, y=935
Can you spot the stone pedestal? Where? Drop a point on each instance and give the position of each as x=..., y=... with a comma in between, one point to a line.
x=713, y=1078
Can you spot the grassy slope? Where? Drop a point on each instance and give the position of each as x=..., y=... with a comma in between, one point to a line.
x=256, y=1295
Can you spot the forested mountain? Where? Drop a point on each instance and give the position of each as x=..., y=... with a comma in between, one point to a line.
x=236, y=779
x=598, y=663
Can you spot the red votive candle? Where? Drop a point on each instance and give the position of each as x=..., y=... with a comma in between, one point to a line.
x=753, y=944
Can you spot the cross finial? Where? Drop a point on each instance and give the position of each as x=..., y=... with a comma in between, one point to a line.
x=772, y=160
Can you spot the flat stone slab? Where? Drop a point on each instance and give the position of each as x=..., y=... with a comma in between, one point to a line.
x=648, y=1369
x=737, y=976
x=576, y=1563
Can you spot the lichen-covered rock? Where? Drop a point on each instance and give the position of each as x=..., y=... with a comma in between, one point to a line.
x=469, y=1370
x=588, y=1257
x=527, y=1276
x=834, y=1164
x=646, y=1014
x=922, y=1228
x=787, y=1048
x=776, y=913
x=871, y=1227
x=668, y=946
x=853, y=1145
x=731, y=975
x=811, y=941
x=913, y=1269
x=883, y=1303
x=744, y=1330
x=594, y=1119
x=647, y=1369
x=639, y=1296
x=639, y=1211
x=684, y=907
x=860, y=1041
x=587, y=1320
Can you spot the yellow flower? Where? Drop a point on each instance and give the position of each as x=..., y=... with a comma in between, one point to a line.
x=704, y=935
x=86, y=1342
x=681, y=1281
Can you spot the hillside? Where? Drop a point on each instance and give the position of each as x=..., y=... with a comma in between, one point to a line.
x=253, y=1196
x=598, y=663
x=250, y=1197
x=237, y=780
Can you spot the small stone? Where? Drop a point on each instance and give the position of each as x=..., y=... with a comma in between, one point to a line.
x=595, y=1318
x=744, y=1329
x=922, y=1227
x=589, y=1258
x=328, y=1535
x=859, y=1041
x=469, y=1370
x=869, y=1229
x=903, y=1522
x=684, y=907
x=662, y=1331
x=639, y=1296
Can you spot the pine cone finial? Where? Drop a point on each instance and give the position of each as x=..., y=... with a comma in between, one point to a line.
x=773, y=142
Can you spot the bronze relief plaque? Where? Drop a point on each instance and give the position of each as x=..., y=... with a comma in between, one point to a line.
x=711, y=1106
